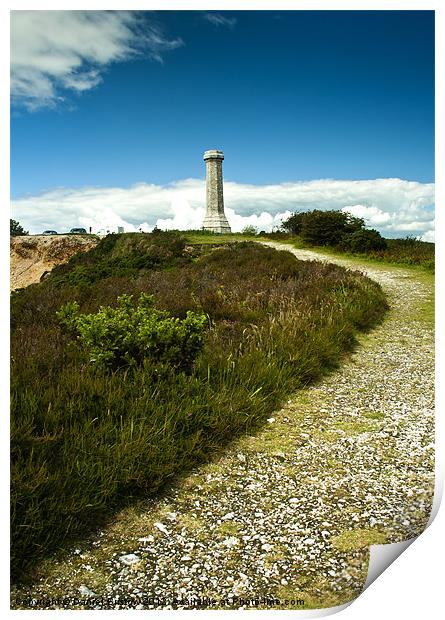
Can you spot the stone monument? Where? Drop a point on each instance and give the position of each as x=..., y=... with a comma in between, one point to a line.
x=215, y=219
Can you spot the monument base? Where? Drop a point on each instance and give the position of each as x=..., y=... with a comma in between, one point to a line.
x=216, y=223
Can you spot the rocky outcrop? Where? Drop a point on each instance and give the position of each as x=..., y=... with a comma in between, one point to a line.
x=34, y=255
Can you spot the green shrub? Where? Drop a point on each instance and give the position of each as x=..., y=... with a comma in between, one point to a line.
x=294, y=223
x=346, y=233
x=249, y=230
x=123, y=255
x=15, y=229
x=126, y=336
x=363, y=241
x=323, y=227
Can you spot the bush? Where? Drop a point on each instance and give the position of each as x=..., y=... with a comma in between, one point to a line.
x=294, y=223
x=323, y=227
x=363, y=241
x=126, y=336
x=249, y=230
x=123, y=255
x=348, y=234
x=15, y=229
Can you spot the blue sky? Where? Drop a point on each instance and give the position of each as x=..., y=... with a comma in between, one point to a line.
x=293, y=99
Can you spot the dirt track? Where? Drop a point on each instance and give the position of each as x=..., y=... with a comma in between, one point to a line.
x=290, y=512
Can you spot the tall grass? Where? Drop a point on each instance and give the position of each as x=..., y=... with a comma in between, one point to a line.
x=84, y=438
x=407, y=251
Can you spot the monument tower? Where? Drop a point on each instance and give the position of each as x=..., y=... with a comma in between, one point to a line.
x=215, y=219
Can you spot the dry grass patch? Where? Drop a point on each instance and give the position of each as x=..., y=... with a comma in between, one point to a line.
x=351, y=540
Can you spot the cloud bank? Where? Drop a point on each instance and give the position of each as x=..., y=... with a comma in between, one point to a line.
x=55, y=52
x=393, y=206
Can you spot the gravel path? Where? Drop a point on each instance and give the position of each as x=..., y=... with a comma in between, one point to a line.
x=287, y=515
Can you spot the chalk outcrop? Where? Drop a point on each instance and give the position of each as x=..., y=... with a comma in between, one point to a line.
x=33, y=255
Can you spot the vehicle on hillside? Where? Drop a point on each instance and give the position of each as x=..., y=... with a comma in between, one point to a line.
x=78, y=231
x=50, y=232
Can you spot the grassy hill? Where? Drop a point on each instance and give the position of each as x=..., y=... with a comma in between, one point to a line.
x=88, y=435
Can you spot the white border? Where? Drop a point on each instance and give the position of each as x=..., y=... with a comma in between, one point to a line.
x=410, y=587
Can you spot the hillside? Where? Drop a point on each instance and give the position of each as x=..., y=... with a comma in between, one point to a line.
x=141, y=358
x=289, y=507
x=32, y=256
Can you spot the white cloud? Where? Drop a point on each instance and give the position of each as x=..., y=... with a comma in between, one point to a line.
x=373, y=216
x=57, y=51
x=428, y=236
x=184, y=217
x=220, y=20
x=393, y=206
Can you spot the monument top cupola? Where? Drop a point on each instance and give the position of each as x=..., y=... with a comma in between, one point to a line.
x=213, y=154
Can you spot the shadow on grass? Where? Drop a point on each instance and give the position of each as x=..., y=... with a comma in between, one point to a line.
x=87, y=442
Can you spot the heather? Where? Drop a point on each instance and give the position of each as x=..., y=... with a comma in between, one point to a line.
x=88, y=436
